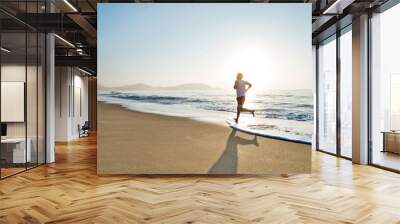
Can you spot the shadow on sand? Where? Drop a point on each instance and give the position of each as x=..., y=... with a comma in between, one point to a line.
x=228, y=161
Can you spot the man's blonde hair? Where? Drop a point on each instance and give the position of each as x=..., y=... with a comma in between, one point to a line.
x=239, y=76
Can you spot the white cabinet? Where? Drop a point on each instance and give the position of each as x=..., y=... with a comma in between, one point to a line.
x=19, y=155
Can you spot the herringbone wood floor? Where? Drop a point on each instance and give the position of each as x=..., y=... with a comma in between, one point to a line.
x=69, y=191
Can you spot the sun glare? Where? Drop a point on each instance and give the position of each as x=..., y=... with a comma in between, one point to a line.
x=252, y=61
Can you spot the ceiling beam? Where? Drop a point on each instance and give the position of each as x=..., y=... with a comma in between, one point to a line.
x=84, y=24
x=81, y=61
x=338, y=6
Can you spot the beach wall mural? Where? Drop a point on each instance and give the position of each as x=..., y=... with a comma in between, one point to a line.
x=204, y=88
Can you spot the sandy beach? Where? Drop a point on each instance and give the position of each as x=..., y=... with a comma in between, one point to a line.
x=142, y=143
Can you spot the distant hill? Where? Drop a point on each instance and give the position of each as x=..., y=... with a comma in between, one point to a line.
x=141, y=86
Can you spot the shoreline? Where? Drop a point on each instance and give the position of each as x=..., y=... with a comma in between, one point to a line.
x=278, y=129
x=142, y=143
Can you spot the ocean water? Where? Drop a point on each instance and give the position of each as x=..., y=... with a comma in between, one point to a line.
x=286, y=113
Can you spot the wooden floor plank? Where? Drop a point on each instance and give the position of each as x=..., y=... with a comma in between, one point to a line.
x=69, y=191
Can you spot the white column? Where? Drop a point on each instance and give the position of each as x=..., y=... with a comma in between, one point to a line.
x=314, y=89
x=360, y=90
x=50, y=99
x=50, y=92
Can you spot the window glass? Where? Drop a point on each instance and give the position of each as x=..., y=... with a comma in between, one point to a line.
x=385, y=89
x=346, y=94
x=327, y=96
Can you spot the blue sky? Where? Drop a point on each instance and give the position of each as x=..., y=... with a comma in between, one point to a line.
x=171, y=44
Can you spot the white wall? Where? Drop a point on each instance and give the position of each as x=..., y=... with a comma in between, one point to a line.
x=13, y=101
x=80, y=104
x=71, y=94
x=62, y=81
x=16, y=73
x=33, y=126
